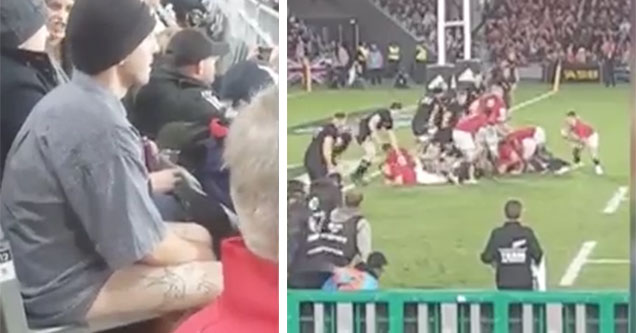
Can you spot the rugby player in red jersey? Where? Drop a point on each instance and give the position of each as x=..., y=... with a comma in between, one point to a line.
x=394, y=172
x=529, y=139
x=508, y=160
x=494, y=106
x=582, y=135
x=464, y=139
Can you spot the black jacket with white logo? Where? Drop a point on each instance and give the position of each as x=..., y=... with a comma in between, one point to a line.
x=512, y=248
x=171, y=97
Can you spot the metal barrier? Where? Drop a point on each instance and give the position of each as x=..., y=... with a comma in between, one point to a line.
x=251, y=21
x=451, y=311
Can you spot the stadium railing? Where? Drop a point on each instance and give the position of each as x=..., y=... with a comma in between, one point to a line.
x=251, y=21
x=399, y=311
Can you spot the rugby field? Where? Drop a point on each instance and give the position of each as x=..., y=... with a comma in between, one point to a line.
x=432, y=235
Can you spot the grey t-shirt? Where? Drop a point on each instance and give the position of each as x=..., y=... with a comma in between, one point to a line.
x=75, y=202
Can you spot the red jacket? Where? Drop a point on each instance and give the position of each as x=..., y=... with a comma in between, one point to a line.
x=249, y=301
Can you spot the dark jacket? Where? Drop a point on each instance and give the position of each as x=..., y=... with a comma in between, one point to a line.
x=171, y=96
x=512, y=248
x=244, y=80
x=25, y=78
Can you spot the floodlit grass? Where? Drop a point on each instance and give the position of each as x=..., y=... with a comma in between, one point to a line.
x=433, y=236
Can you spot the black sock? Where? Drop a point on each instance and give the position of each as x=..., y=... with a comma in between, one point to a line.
x=362, y=168
x=596, y=161
x=576, y=154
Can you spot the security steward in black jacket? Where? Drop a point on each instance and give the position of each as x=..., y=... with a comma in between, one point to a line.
x=180, y=89
x=512, y=248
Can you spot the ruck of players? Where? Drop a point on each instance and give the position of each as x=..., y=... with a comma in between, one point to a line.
x=461, y=134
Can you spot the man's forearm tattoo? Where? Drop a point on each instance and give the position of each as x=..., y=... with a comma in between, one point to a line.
x=172, y=285
x=206, y=285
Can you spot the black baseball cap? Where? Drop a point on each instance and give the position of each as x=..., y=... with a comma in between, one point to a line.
x=190, y=46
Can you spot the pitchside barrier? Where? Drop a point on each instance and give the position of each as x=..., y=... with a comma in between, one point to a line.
x=453, y=311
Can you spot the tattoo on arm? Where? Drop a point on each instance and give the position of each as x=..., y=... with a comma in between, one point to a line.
x=173, y=285
x=206, y=285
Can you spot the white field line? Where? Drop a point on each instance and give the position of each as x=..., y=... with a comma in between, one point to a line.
x=575, y=266
x=608, y=261
x=615, y=201
x=532, y=101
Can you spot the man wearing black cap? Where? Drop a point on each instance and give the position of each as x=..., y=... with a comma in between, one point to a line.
x=180, y=90
x=76, y=205
x=27, y=71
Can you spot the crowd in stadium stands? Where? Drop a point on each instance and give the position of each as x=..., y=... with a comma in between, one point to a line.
x=572, y=30
x=116, y=151
x=303, y=41
x=419, y=17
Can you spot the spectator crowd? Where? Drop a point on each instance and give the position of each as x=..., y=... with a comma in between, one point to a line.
x=535, y=31
x=303, y=41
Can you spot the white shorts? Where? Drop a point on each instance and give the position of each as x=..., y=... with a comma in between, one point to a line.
x=427, y=178
x=539, y=136
x=465, y=142
x=592, y=141
x=529, y=148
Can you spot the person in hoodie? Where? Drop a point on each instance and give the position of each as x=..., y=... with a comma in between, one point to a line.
x=27, y=70
x=180, y=87
x=364, y=276
x=249, y=302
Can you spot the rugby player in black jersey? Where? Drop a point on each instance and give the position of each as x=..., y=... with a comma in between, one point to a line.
x=370, y=130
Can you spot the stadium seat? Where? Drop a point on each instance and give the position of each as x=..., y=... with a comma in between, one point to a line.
x=12, y=315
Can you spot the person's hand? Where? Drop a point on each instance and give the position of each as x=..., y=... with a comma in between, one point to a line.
x=165, y=181
x=565, y=134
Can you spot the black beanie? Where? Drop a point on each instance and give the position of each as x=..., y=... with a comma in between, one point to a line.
x=104, y=32
x=19, y=20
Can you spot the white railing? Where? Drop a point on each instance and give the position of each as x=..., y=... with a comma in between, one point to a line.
x=251, y=21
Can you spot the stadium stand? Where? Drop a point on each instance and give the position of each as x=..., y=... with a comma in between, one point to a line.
x=530, y=28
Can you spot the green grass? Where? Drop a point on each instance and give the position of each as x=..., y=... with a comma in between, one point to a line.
x=432, y=236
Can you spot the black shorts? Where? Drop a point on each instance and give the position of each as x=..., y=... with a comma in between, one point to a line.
x=316, y=169
x=363, y=132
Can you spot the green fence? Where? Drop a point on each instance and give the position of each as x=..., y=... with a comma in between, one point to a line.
x=450, y=311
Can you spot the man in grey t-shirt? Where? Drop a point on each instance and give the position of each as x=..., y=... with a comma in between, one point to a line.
x=75, y=199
